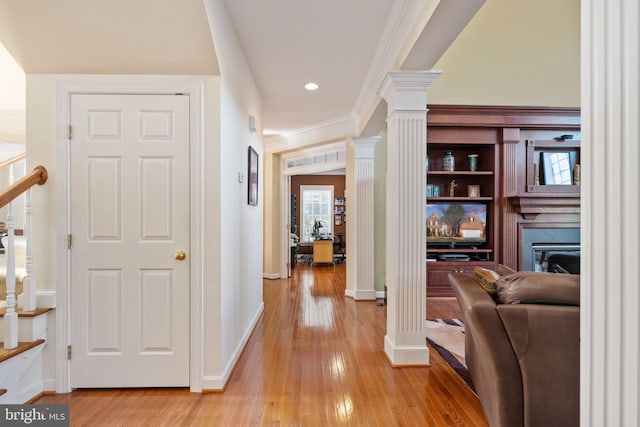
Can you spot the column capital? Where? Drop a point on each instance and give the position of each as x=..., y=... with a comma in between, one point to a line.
x=364, y=146
x=407, y=90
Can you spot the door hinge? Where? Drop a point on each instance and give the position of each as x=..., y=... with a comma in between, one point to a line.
x=68, y=352
x=69, y=241
x=288, y=265
x=68, y=132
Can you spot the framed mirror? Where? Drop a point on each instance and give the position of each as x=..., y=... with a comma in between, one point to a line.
x=557, y=167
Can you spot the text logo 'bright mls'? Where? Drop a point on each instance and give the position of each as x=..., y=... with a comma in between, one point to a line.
x=37, y=415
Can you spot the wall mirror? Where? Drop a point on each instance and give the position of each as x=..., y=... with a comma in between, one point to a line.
x=557, y=167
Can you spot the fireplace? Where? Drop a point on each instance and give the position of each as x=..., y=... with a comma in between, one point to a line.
x=540, y=243
x=541, y=254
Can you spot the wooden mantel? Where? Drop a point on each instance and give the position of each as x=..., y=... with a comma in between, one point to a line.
x=531, y=207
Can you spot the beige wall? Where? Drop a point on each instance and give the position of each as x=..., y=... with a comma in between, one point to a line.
x=514, y=52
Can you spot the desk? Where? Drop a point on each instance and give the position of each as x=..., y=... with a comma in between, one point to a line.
x=323, y=251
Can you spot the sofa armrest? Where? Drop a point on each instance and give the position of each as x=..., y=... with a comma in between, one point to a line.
x=546, y=342
x=488, y=353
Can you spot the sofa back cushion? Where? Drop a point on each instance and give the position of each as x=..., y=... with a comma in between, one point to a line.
x=528, y=287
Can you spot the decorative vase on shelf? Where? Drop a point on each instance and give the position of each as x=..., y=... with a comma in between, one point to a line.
x=448, y=162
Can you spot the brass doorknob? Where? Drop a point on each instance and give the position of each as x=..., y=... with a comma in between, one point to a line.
x=180, y=255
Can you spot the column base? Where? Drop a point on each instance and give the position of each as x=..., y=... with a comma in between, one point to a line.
x=406, y=355
x=361, y=295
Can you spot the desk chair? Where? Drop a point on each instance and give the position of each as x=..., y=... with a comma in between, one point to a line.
x=305, y=250
x=339, y=247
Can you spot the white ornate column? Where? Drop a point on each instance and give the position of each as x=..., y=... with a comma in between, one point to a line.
x=610, y=294
x=360, y=283
x=406, y=96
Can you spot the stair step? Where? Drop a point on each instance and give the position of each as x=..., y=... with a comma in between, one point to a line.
x=21, y=313
x=2, y=391
x=32, y=325
x=21, y=348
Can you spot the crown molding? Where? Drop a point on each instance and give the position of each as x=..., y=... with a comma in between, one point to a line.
x=407, y=20
x=330, y=130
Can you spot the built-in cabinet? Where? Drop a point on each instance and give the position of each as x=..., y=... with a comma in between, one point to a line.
x=461, y=213
x=527, y=175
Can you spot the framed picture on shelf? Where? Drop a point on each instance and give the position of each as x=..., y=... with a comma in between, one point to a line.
x=473, y=190
x=337, y=220
x=253, y=177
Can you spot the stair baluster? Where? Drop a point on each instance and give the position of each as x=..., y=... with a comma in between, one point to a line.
x=28, y=298
x=11, y=317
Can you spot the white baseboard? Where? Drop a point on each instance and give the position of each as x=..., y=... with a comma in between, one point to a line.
x=362, y=295
x=380, y=294
x=271, y=276
x=218, y=382
x=49, y=385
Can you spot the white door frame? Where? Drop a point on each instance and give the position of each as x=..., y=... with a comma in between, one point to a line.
x=285, y=192
x=192, y=87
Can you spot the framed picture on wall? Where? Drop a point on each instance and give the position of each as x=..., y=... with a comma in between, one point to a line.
x=253, y=177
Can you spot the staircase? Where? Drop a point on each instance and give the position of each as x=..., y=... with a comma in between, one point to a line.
x=21, y=368
x=23, y=327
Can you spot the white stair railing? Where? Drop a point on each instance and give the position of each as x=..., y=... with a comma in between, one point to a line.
x=28, y=299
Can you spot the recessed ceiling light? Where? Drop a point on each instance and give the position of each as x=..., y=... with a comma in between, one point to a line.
x=311, y=86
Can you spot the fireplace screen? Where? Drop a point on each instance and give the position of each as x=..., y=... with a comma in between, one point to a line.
x=542, y=252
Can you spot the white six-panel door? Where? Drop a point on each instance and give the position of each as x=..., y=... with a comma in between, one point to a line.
x=129, y=187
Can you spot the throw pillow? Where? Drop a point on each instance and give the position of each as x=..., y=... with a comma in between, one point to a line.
x=528, y=287
x=487, y=279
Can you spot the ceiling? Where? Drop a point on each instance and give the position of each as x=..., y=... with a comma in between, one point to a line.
x=290, y=43
x=346, y=47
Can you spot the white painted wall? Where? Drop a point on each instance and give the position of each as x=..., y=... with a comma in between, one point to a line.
x=237, y=282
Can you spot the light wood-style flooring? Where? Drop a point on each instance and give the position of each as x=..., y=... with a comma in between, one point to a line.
x=315, y=359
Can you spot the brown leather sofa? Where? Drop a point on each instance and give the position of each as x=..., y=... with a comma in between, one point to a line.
x=522, y=347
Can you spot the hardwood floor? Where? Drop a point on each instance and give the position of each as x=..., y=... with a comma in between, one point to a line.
x=315, y=359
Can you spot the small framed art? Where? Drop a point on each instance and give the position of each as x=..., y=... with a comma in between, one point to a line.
x=473, y=190
x=253, y=177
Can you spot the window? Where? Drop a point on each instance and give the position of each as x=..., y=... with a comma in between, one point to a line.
x=317, y=205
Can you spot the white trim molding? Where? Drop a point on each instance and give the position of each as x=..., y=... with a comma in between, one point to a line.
x=194, y=88
x=609, y=316
x=407, y=21
x=218, y=382
x=330, y=130
x=406, y=96
x=360, y=241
